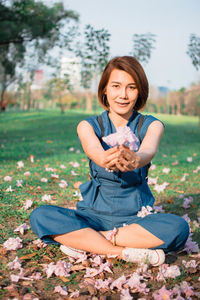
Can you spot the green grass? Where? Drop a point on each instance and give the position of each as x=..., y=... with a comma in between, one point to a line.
x=48, y=136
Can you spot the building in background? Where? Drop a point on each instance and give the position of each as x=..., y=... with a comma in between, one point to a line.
x=72, y=68
x=38, y=81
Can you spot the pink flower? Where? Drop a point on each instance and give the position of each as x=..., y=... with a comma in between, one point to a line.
x=16, y=278
x=163, y=294
x=74, y=164
x=105, y=267
x=160, y=187
x=27, y=204
x=152, y=181
x=7, y=178
x=44, y=179
x=61, y=290
x=186, y=218
x=74, y=173
x=118, y=283
x=71, y=149
x=62, y=167
x=13, y=244
x=187, y=289
x=175, y=163
x=19, y=183
x=22, y=228
x=189, y=159
x=15, y=264
x=191, y=246
x=49, y=169
x=27, y=173
x=158, y=208
x=196, y=170
x=153, y=167
x=123, y=136
x=46, y=198
x=75, y=294
x=54, y=176
x=145, y=211
x=166, y=170
x=103, y=284
x=96, y=261
x=134, y=282
x=63, y=184
x=184, y=176
x=125, y=295
x=20, y=164
x=190, y=264
x=168, y=272
x=36, y=276
x=39, y=243
x=91, y=272
x=187, y=201
x=61, y=268
x=9, y=189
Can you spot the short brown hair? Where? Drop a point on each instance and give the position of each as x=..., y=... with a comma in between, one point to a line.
x=132, y=66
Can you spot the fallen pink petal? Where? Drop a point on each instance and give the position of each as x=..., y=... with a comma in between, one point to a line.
x=61, y=290
x=15, y=264
x=13, y=244
x=22, y=228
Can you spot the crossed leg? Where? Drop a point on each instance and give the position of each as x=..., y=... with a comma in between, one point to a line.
x=87, y=239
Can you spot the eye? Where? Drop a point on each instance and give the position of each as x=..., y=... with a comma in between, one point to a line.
x=115, y=85
x=132, y=87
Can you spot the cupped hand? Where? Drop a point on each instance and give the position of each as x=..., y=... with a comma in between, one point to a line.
x=128, y=160
x=110, y=158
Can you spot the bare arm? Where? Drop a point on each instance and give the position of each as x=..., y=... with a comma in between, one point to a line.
x=93, y=148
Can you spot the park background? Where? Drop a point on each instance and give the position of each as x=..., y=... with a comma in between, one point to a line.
x=51, y=56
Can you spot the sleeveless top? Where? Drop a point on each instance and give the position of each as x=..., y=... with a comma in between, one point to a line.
x=118, y=193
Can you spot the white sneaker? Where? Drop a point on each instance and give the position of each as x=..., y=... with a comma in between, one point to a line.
x=75, y=253
x=136, y=255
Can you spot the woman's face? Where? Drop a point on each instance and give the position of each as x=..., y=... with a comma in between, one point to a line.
x=121, y=92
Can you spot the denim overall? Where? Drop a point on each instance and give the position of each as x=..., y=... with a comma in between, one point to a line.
x=112, y=200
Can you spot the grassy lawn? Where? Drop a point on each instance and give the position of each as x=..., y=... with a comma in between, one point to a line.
x=51, y=139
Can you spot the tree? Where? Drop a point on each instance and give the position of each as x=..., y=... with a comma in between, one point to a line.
x=142, y=46
x=28, y=24
x=194, y=50
x=94, y=53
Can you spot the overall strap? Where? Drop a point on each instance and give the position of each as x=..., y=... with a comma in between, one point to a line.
x=99, y=119
x=140, y=123
x=139, y=128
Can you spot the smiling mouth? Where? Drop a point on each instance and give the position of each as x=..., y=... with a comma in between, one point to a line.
x=122, y=103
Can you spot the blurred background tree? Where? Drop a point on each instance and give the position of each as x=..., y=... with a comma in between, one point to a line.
x=94, y=52
x=143, y=44
x=28, y=24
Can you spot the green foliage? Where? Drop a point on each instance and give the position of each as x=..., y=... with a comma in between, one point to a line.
x=94, y=53
x=194, y=50
x=143, y=44
x=28, y=20
x=28, y=24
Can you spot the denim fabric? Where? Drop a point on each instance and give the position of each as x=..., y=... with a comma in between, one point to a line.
x=112, y=200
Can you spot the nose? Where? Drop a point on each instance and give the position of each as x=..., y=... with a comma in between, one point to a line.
x=123, y=93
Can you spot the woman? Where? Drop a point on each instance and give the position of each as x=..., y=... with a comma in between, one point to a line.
x=118, y=187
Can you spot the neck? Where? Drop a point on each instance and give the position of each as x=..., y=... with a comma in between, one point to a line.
x=119, y=120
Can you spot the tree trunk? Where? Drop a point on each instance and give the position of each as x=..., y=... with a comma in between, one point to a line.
x=2, y=99
x=89, y=102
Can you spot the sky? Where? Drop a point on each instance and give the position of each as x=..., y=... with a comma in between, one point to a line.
x=172, y=21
